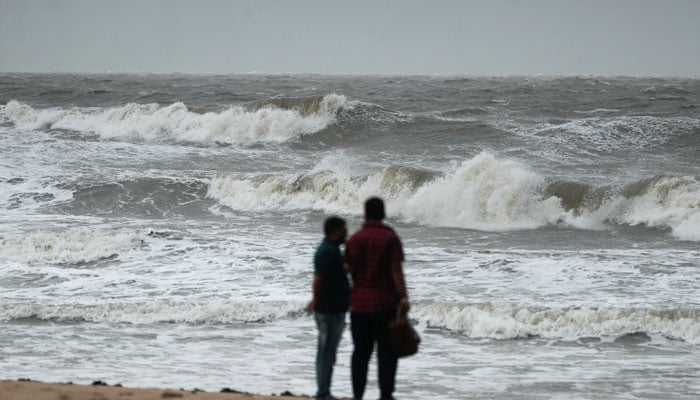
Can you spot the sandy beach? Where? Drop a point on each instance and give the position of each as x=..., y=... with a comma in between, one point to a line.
x=34, y=390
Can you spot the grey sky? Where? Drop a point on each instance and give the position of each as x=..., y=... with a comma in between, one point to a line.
x=485, y=37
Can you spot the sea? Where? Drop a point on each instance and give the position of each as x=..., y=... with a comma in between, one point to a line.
x=158, y=230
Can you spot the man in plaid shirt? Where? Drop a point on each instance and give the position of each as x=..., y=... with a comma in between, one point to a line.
x=374, y=256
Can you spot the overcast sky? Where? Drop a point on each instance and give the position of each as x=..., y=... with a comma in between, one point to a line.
x=478, y=37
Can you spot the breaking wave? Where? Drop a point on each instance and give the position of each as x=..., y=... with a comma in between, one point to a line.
x=483, y=320
x=270, y=121
x=324, y=190
x=663, y=201
x=73, y=246
x=483, y=193
x=505, y=321
x=157, y=312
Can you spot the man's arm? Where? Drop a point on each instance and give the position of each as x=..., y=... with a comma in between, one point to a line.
x=316, y=287
x=397, y=273
x=400, y=285
x=322, y=266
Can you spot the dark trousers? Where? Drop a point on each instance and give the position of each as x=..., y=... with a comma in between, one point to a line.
x=368, y=328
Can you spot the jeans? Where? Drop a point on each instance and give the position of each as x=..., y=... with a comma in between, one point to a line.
x=368, y=328
x=330, y=329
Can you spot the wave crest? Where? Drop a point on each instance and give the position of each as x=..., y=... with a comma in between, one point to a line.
x=323, y=190
x=662, y=201
x=505, y=321
x=498, y=321
x=156, y=312
x=176, y=122
x=483, y=193
x=73, y=246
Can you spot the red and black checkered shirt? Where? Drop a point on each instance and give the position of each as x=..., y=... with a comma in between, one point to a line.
x=370, y=254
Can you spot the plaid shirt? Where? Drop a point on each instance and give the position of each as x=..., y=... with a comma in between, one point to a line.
x=370, y=254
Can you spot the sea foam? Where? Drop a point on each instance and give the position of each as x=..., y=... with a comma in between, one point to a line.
x=215, y=311
x=506, y=321
x=263, y=123
x=500, y=321
x=71, y=246
x=483, y=193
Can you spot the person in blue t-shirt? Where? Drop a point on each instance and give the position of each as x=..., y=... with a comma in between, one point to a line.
x=331, y=300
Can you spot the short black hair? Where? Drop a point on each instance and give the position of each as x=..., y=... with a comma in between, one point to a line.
x=374, y=209
x=332, y=224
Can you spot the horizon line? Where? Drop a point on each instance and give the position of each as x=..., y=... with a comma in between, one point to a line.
x=359, y=74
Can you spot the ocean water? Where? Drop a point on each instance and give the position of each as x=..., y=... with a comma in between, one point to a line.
x=157, y=230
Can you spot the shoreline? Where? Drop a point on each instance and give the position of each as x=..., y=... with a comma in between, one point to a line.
x=26, y=389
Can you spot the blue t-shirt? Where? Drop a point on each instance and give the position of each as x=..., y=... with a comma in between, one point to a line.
x=334, y=292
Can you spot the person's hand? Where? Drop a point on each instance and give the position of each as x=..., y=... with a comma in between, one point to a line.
x=311, y=307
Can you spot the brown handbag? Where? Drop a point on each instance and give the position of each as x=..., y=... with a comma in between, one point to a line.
x=403, y=339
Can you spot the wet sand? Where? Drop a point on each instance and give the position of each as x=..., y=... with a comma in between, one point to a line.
x=34, y=390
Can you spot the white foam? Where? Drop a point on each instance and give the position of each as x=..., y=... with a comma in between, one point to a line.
x=506, y=321
x=668, y=202
x=68, y=247
x=321, y=190
x=605, y=133
x=598, y=110
x=30, y=193
x=483, y=193
x=485, y=320
x=176, y=122
x=216, y=311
